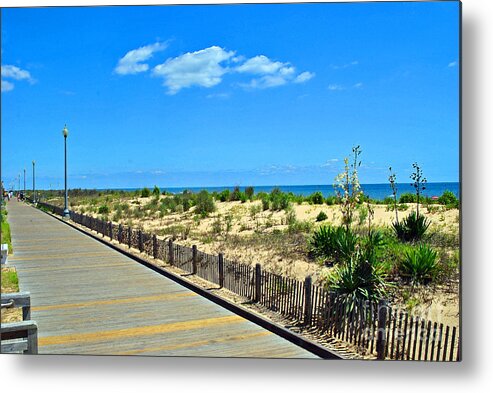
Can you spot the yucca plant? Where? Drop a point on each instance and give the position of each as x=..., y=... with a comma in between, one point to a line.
x=420, y=264
x=412, y=228
x=358, y=278
x=333, y=244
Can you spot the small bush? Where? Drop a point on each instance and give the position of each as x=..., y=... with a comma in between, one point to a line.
x=420, y=264
x=358, y=279
x=236, y=194
x=407, y=198
x=331, y=200
x=265, y=203
x=333, y=244
x=278, y=199
x=145, y=192
x=317, y=198
x=224, y=195
x=103, y=209
x=412, y=228
x=205, y=203
x=448, y=198
x=321, y=216
x=156, y=191
x=249, y=191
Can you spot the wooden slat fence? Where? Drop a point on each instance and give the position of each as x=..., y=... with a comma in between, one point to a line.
x=372, y=328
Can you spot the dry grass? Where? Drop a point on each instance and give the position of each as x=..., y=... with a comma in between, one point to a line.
x=9, y=285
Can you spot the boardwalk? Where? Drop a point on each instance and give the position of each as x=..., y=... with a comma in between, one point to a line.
x=90, y=299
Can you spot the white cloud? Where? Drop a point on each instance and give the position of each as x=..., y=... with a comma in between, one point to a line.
x=452, y=64
x=273, y=73
x=335, y=87
x=358, y=85
x=7, y=86
x=16, y=73
x=13, y=72
x=201, y=68
x=132, y=62
x=263, y=65
x=330, y=162
x=304, y=77
x=218, y=95
x=347, y=65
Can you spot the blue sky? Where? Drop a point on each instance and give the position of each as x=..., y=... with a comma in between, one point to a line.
x=230, y=95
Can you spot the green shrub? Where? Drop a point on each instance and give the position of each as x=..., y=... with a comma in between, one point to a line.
x=278, y=199
x=264, y=198
x=358, y=278
x=156, y=191
x=5, y=234
x=249, y=191
x=103, y=209
x=236, y=194
x=321, y=216
x=331, y=200
x=204, y=204
x=145, y=192
x=412, y=228
x=420, y=264
x=448, y=198
x=224, y=195
x=243, y=197
x=333, y=244
x=317, y=198
x=407, y=198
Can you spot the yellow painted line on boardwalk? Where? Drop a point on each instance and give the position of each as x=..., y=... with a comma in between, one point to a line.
x=138, y=331
x=58, y=256
x=42, y=268
x=196, y=343
x=138, y=299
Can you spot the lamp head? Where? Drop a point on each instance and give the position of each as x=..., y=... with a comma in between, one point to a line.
x=65, y=131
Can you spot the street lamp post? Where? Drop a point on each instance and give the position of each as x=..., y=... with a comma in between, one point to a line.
x=24, y=182
x=66, y=212
x=34, y=182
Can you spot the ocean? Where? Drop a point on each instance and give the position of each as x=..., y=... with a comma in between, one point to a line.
x=374, y=191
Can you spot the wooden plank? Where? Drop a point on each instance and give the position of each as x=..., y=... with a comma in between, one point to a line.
x=439, y=345
x=445, y=344
x=428, y=332
x=452, y=344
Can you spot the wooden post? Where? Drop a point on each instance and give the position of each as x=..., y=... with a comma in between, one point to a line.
x=120, y=233
x=129, y=237
x=194, y=259
x=171, y=253
x=26, y=310
x=32, y=340
x=111, y=230
x=258, y=278
x=221, y=270
x=382, y=330
x=154, y=246
x=141, y=243
x=308, y=300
